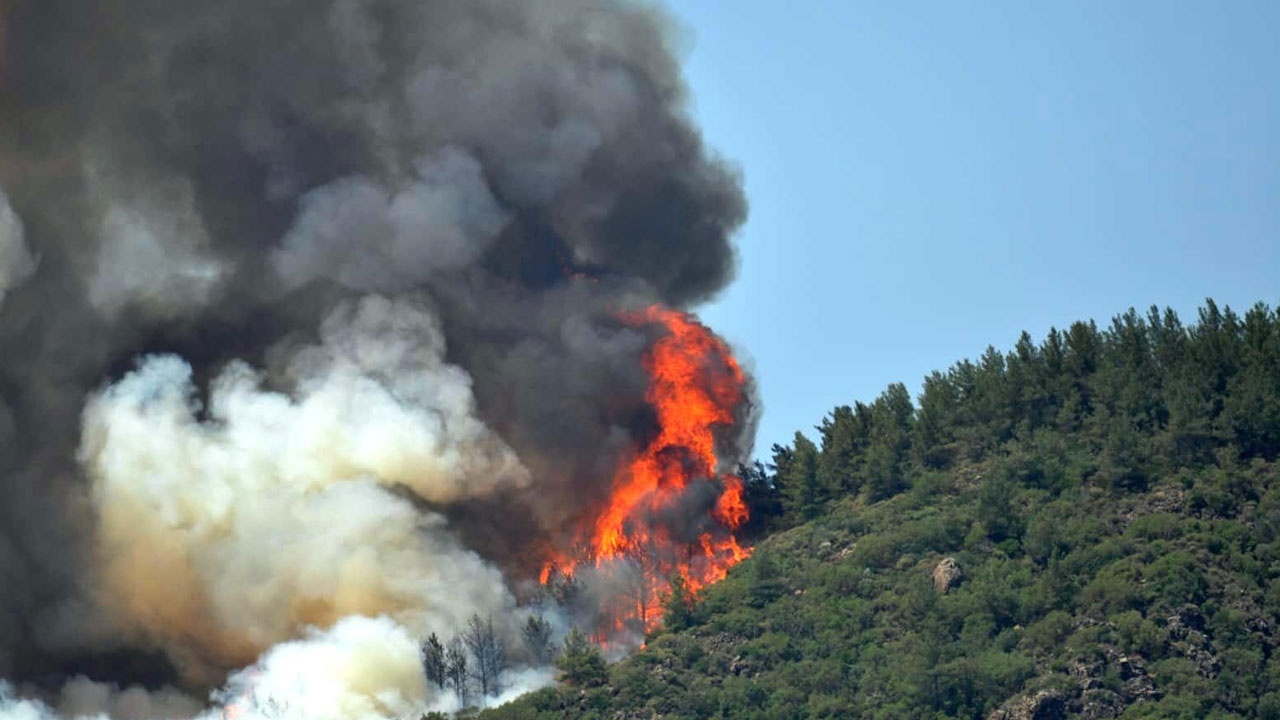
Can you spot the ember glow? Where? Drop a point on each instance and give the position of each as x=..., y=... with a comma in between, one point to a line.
x=695, y=387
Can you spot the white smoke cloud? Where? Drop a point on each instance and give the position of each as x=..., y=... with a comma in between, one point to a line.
x=522, y=681
x=361, y=669
x=82, y=697
x=367, y=237
x=16, y=263
x=224, y=534
x=15, y=708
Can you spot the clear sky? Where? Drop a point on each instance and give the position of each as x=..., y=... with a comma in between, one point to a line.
x=929, y=178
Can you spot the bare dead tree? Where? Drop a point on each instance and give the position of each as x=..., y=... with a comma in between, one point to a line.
x=456, y=668
x=489, y=651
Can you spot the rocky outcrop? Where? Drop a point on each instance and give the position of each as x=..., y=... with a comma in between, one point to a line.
x=947, y=575
x=1090, y=690
x=1043, y=705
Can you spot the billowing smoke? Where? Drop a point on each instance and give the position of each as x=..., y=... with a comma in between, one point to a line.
x=309, y=328
x=186, y=506
x=81, y=697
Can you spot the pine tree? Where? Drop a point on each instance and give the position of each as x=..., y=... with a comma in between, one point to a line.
x=766, y=581
x=678, y=605
x=433, y=661
x=537, y=639
x=844, y=438
x=803, y=493
x=581, y=663
x=892, y=415
x=763, y=499
x=933, y=433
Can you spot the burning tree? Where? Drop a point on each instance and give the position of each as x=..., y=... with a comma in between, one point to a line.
x=671, y=512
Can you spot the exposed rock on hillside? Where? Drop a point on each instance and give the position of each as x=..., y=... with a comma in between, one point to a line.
x=947, y=575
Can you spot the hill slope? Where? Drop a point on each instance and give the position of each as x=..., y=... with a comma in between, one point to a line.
x=1089, y=527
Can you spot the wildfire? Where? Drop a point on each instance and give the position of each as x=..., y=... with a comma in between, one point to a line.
x=695, y=386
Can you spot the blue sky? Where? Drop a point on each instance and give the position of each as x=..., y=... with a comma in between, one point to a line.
x=929, y=178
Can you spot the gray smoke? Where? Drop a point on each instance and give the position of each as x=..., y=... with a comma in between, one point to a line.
x=337, y=274
x=358, y=233
x=16, y=264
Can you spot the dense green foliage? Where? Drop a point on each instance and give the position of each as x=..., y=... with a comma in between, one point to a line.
x=1109, y=501
x=581, y=663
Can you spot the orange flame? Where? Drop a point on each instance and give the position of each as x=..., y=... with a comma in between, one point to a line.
x=695, y=387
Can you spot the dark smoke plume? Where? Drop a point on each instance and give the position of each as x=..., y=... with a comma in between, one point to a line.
x=228, y=225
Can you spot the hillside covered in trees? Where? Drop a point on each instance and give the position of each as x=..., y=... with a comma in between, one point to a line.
x=1084, y=527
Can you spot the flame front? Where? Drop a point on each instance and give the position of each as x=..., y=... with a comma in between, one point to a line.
x=695, y=387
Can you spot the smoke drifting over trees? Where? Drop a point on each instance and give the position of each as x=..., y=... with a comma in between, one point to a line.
x=308, y=310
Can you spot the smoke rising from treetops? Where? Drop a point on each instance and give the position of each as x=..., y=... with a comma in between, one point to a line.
x=308, y=310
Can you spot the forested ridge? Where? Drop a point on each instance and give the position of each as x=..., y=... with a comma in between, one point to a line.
x=1084, y=527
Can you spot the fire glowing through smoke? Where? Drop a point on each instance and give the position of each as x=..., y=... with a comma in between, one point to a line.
x=695, y=386
x=311, y=348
